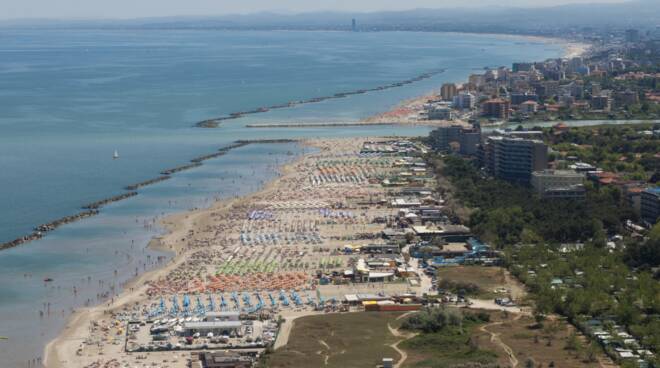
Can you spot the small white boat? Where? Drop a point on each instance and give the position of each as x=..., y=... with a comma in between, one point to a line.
x=115, y=155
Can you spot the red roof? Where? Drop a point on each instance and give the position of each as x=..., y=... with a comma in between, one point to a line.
x=607, y=174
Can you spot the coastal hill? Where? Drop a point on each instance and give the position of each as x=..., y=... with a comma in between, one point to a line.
x=546, y=20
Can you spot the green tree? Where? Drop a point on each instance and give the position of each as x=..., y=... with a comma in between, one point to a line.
x=573, y=343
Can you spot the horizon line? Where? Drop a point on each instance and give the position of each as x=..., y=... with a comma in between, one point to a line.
x=284, y=12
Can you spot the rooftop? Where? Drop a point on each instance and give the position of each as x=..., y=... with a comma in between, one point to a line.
x=454, y=247
x=655, y=190
x=570, y=173
x=215, y=324
x=222, y=314
x=517, y=139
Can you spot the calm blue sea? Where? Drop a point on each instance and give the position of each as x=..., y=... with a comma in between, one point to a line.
x=69, y=99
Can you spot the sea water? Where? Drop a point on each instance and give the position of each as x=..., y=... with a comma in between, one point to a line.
x=69, y=99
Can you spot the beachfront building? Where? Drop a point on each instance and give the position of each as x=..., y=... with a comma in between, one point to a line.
x=217, y=328
x=440, y=113
x=496, y=108
x=448, y=91
x=221, y=316
x=625, y=98
x=373, y=271
x=405, y=202
x=519, y=98
x=468, y=139
x=522, y=67
x=513, y=159
x=558, y=184
x=221, y=359
x=528, y=107
x=650, y=205
x=464, y=101
x=380, y=249
x=446, y=232
x=470, y=251
x=601, y=103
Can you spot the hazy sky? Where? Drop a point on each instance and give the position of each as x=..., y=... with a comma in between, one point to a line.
x=147, y=8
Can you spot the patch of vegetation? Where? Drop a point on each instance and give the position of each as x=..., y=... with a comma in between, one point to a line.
x=589, y=281
x=433, y=320
x=446, y=339
x=459, y=287
x=523, y=336
x=506, y=213
x=448, y=348
x=337, y=341
x=645, y=254
x=626, y=150
x=475, y=281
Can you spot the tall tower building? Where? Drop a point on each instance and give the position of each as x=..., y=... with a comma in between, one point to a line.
x=448, y=91
x=514, y=159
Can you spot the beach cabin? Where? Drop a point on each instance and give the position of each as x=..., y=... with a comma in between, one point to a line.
x=217, y=328
x=222, y=316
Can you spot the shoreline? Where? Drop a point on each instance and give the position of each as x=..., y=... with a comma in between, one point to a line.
x=402, y=110
x=347, y=124
x=572, y=49
x=186, y=231
x=93, y=209
x=175, y=225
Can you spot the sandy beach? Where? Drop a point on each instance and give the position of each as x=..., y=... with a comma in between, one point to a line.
x=61, y=352
x=205, y=238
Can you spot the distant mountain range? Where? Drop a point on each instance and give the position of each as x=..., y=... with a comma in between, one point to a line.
x=643, y=14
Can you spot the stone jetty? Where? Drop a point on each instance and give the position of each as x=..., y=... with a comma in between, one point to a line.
x=215, y=122
x=92, y=209
x=39, y=231
x=147, y=182
x=103, y=202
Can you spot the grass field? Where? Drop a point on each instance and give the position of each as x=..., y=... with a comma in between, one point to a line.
x=363, y=339
x=338, y=340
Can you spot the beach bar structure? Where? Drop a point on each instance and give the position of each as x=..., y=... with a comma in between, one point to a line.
x=362, y=272
x=450, y=233
x=380, y=249
x=215, y=327
x=405, y=203
x=222, y=316
x=221, y=359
